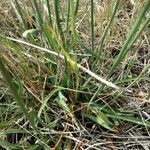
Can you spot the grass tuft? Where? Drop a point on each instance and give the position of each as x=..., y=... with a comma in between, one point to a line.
x=74, y=74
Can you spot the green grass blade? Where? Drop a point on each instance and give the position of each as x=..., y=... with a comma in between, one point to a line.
x=9, y=146
x=19, y=14
x=73, y=64
x=45, y=100
x=29, y=114
x=49, y=12
x=62, y=102
x=7, y=77
x=57, y=17
x=73, y=21
x=103, y=37
x=38, y=16
x=139, y=32
x=102, y=120
x=68, y=15
x=130, y=119
x=76, y=7
x=116, y=114
x=124, y=50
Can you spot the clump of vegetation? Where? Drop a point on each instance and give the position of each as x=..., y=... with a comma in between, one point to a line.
x=74, y=74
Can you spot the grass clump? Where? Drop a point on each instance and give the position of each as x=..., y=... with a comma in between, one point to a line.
x=74, y=74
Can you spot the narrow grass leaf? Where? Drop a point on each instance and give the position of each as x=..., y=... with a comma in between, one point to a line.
x=49, y=12
x=139, y=32
x=76, y=7
x=57, y=17
x=45, y=100
x=130, y=119
x=9, y=146
x=29, y=32
x=19, y=13
x=119, y=115
x=62, y=102
x=38, y=16
x=28, y=113
x=103, y=37
x=92, y=24
x=92, y=74
x=131, y=37
x=73, y=21
x=102, y=120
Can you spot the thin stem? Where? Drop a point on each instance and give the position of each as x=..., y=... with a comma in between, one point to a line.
x=92, y=25
x=110, y=84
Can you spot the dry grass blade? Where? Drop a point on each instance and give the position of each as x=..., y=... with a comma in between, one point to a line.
x=92, y=74
x=79, y=74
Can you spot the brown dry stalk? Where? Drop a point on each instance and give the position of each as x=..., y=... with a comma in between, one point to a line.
x=101, y=79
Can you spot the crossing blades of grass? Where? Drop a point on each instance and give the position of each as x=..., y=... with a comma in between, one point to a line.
x=38, y=17
x=49, y=12
x=45, y=100
x=19, y=14
x=28, y=112
x=9, y=146
x=68, y=109
x=105, y=32
x=48, y=49
x=132, y=36
x=121, y=116
x=101, y=118
x=92, y=74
